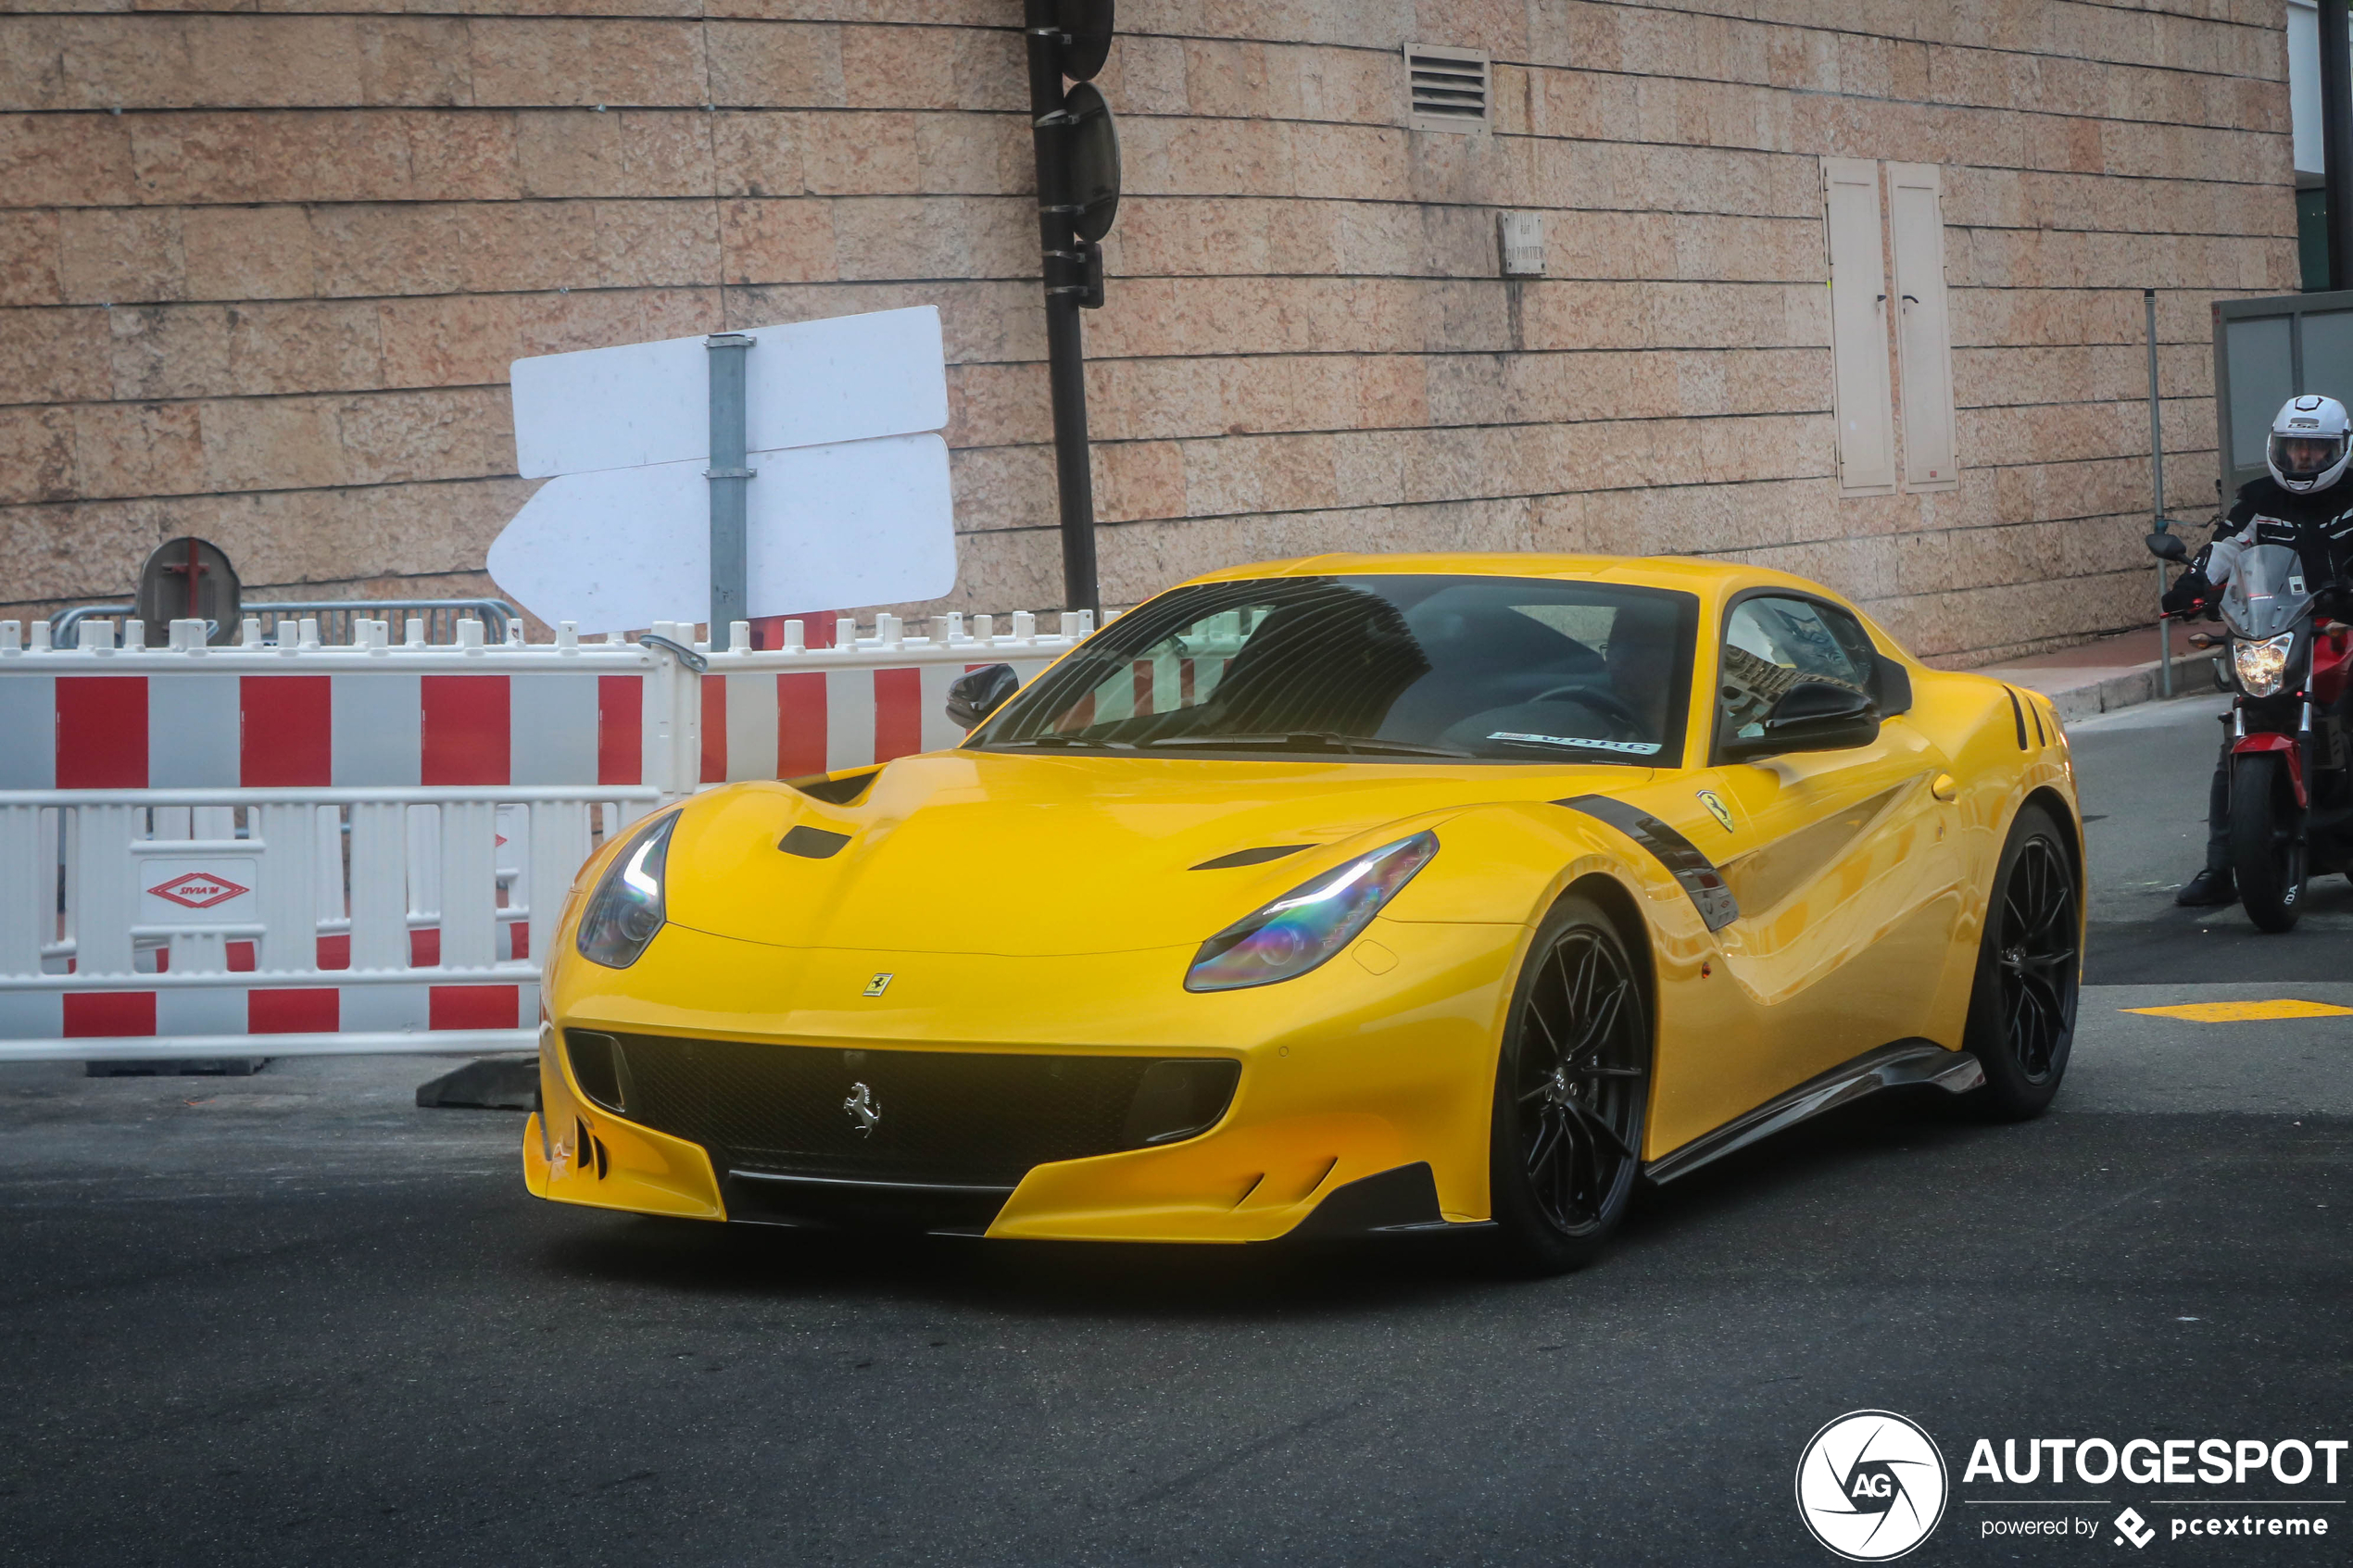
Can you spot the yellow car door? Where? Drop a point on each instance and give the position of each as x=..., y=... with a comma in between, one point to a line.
x=1845, y=864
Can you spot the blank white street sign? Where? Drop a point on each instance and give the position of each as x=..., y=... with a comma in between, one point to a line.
x=853, y=523
x=848, y=378
x=850, y=505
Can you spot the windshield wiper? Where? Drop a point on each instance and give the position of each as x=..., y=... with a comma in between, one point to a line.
x=1309, y=740
x=1072, y=742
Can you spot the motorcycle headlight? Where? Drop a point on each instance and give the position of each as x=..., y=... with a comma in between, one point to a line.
x=1310, y=923
x=2261, y=666
x=626, y=909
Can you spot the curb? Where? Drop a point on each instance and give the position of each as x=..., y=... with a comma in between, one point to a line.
x=2193, y=676
x=2111, y=689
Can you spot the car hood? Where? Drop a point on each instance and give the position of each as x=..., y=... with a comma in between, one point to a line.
x=983, y=852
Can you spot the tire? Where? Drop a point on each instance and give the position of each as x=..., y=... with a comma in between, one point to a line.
x=1572, y=1094
x=2267, y=860
x=2029, y=968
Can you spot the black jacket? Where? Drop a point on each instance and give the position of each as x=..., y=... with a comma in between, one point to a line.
x=2319, y=526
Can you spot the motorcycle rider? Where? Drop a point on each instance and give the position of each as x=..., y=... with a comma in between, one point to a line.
x=2302, y=504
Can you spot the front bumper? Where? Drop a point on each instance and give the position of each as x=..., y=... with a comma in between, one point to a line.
x=1342, y=1075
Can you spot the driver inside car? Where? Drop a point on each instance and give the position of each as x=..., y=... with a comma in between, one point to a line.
x=2302, y=504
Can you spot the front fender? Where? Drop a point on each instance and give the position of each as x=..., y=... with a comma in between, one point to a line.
x=1515, y=861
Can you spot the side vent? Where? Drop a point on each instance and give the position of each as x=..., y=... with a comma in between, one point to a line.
x=599, y=1068
x=589, y=1149
x=1449, y=88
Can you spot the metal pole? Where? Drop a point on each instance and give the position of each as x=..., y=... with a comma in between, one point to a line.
x=2157, y=500
x=2336, y=140
x=1065, y=274
x=730, y=483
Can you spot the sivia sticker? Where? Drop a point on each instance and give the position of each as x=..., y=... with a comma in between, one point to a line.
x=1630, y=748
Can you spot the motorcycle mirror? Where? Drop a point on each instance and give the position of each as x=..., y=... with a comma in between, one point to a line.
x=2167, y=546
x=973, y=697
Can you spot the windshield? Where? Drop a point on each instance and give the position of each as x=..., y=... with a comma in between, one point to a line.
x=1385, y=669
x=2266, y=595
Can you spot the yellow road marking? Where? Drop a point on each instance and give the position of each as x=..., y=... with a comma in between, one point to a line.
x=2243, y=1013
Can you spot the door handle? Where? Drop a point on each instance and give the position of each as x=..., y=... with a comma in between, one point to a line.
x=1943, y=787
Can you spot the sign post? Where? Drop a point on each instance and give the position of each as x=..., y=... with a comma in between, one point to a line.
x=730, y=563
x=2156, y=501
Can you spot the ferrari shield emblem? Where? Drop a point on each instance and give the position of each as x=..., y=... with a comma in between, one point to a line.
x=878, y=984
x=1717, y=809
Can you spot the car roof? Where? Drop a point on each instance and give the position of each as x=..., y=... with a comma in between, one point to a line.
x=1713, y=581
x=1706, y=578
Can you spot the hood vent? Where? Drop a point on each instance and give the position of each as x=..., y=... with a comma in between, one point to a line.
x=817, y=844
x=842, y=791
x=1252, y=857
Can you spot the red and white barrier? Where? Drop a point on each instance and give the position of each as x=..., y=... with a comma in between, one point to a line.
x=157, y=942
x=284, y=850
x=793, y=711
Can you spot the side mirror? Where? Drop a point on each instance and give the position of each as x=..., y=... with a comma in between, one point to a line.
x=973, y=697
x=1810, y=716
x=2167, y=546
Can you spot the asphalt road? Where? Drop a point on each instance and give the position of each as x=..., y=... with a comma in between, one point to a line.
x=293, y=1319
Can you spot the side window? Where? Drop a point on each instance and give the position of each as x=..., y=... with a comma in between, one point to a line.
x=1770, y=643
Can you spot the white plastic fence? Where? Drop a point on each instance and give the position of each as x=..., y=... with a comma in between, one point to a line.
x=298, y=849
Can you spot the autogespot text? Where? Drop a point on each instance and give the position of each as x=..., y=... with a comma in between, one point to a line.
x=2146, y=1461
x=2149, y=1462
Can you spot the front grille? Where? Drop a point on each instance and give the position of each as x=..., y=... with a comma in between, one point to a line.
x=964, y=1119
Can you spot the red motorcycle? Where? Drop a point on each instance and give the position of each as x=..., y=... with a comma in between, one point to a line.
x=2291, y=792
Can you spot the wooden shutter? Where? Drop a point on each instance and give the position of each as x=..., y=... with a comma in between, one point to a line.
x=1858, y=327
x=1923, y=330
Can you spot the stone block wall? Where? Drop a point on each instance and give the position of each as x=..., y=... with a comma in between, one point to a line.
x=262, y=271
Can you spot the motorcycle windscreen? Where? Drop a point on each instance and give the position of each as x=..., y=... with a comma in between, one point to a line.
x=2266, y=595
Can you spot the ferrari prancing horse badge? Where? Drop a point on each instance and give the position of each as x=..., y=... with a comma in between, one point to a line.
x=1717, y=809
x=864, y=1110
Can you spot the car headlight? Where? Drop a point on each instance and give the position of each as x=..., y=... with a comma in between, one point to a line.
x=1310, y=923
x=2262, y=665
x=626, y=909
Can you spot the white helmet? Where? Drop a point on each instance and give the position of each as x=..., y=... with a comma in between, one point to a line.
x=2311, y=440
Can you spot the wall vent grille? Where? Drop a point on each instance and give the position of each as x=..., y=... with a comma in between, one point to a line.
x=1448, y=88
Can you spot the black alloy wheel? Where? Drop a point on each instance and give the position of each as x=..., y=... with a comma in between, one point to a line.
x=2267, y=841
x=2021, y=1017
x=1572, y=1093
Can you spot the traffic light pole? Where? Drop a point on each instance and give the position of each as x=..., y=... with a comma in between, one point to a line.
x=2336, y=140
x=1065, y=282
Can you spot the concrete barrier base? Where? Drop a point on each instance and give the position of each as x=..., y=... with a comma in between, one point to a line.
x=495, y=1083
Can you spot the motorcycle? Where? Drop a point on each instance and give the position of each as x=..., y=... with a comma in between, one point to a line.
x=2291, y=815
